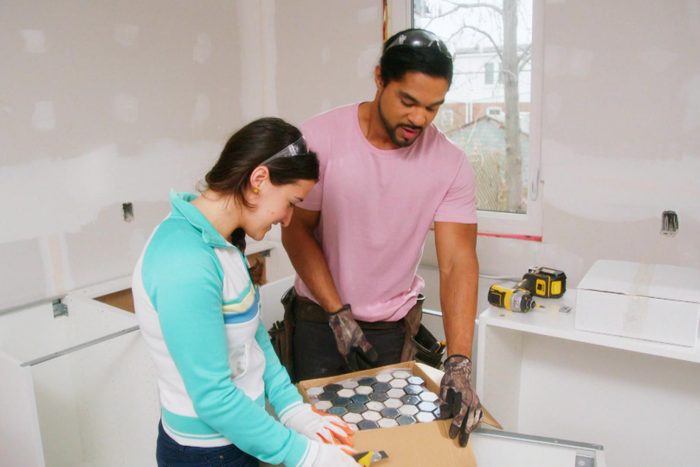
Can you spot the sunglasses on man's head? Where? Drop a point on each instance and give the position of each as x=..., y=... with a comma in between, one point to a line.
x=420, y=38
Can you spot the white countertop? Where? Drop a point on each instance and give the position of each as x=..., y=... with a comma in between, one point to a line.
x=551, y=322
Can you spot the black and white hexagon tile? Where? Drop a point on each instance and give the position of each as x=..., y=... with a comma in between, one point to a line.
x=391, y=398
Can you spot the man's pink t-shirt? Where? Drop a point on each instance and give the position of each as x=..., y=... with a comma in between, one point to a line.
x=377, y=207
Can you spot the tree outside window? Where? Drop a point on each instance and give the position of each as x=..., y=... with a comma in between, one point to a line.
x=494, y=126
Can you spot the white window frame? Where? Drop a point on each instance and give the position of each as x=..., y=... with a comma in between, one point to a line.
x=526, y=226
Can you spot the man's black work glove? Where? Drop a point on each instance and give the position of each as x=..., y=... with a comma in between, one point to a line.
x=458, y=399
x=351, y=341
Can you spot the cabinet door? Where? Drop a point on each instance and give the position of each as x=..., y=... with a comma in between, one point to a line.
x=19, y=424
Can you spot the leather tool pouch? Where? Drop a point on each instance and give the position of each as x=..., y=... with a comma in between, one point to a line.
x=411, y=324
x=428, y=349
x=282, y=333
x=420, y=343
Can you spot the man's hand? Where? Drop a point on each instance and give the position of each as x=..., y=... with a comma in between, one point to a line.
x=351, y=341
x=458, y=399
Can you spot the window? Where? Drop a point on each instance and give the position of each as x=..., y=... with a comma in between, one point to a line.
x=495, y=90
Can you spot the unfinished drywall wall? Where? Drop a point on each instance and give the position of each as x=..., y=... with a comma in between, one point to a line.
x=326, y=54
x=105, y=103
x=621, y=129
x=102, y=104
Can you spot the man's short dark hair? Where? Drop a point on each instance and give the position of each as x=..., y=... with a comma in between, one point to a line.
x=415, y=50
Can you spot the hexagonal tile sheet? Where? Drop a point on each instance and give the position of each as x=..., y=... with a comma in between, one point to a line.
x=387, y=423
x=352, y=417
x=393, y=403
x=427, y=406
x=425, y=417
x=381, y=387
x=393, y=397
x=349, y=384
x=323, y=405
x=374, y=405
x=413, y=389
x=360, y=398
x=340, y=401
x=367, y=381
x=367, y=425
x=417, y=380
x=408, y=410
x=356, y=408
x=408, y=399
x=405, y=420
x=378, y=396
x=339, y=411
x=398, y=383
x=332, y=387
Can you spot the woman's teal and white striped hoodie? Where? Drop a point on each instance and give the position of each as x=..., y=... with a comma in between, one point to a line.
x=199, y=313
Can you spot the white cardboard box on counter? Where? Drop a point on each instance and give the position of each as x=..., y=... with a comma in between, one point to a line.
x=646, y=301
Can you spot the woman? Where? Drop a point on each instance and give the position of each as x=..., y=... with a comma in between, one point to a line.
x=199, y=314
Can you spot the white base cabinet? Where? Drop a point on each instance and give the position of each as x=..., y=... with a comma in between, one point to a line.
x=77, y=390
x=80, y=390
x=641, y=400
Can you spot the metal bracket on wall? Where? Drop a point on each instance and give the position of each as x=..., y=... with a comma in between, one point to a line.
x=59, y=308
x=669, y=223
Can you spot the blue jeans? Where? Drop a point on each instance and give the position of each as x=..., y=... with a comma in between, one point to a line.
x=171, y=454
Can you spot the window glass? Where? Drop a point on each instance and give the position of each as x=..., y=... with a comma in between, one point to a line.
x=488, y=73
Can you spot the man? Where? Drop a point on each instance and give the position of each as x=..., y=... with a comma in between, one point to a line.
x=387, y=176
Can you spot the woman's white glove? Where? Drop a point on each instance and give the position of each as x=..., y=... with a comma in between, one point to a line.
x=327, y=455
x=317, y=425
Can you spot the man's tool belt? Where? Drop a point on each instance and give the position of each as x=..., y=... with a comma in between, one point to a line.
x=420, y=344
x=308, y=310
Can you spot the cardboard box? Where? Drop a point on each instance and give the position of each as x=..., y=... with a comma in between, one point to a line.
x=645, y=301
x=417, y=445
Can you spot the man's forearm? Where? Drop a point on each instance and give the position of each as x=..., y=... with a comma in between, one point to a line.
x=307, y=258
x=459, y=286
